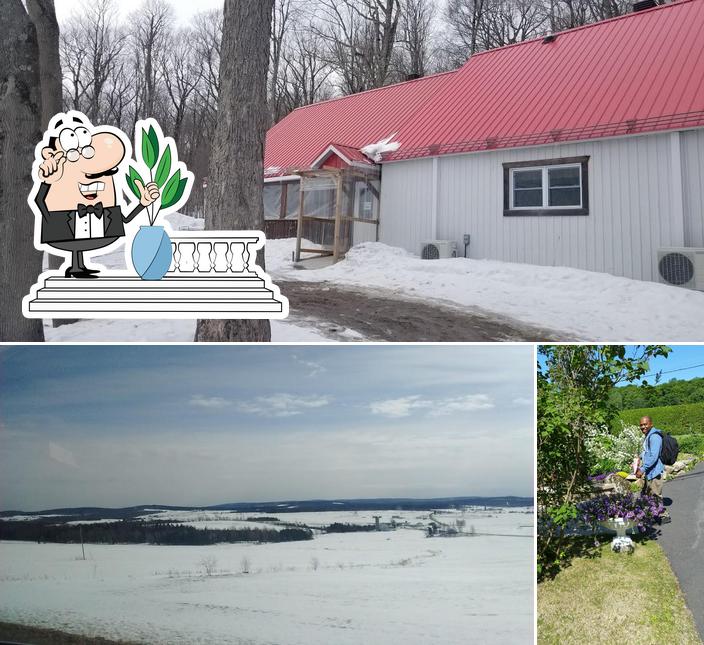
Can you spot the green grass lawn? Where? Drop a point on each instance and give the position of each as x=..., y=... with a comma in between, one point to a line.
x=615, y=598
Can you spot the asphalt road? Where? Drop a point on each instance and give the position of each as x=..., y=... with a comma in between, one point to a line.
x=683, y=538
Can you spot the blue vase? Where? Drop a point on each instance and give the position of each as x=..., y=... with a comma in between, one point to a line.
x=151, y=252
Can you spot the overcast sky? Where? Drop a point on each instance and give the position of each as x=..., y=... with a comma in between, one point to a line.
x=127, y=425
x=183, y=9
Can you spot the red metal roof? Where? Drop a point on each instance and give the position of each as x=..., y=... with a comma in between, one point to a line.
x=641, y=72
x=352, y=121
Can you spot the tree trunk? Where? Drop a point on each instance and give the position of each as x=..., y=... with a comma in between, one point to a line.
x=236, y=174
x=20, y=130
x=43, y=15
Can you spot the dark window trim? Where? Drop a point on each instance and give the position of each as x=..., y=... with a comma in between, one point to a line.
x=552, y=212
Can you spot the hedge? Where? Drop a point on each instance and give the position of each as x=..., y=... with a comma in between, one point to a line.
x=687, y=418
x=692, y=444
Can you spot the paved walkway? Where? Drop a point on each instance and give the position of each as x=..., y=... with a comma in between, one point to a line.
x=683, y=538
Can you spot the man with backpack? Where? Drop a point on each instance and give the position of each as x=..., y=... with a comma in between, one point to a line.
x=652, y=467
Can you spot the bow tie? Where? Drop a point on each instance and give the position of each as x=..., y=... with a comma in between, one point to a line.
x=96, y=210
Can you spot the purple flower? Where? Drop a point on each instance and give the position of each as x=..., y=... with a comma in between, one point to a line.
x=643, y=509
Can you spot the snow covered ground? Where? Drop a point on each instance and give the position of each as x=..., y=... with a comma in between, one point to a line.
x=584, y=305
x=391, y=587
x=581, y=305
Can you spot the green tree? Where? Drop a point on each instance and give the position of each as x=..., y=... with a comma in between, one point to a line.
x=575, y=384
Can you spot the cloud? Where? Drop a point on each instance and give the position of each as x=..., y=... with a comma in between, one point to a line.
x=314, y=368
x=210, y=402
x=283, y=405
x=63, y=456
x=398, y=408
x=468, y=403
x=403, y=407
x=522, y=400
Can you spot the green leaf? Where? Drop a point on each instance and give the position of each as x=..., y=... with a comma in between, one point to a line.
x=170, y=190
x=179, y=192
x=130, y=182
x=154, y=141
x=148, y=152
x=164, y=168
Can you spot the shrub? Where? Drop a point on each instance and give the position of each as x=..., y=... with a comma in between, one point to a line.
x=612, y=451
x=209, y=564
x=675, y=419
x=691, y=443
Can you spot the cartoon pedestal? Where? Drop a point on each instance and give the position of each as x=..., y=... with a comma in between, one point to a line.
x=209, y=277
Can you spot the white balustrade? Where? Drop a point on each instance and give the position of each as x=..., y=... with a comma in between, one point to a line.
x=212, y=254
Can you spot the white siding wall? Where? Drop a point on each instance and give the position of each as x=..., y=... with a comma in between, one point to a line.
x=406, y=204
x=630, y=197
x=693, y=181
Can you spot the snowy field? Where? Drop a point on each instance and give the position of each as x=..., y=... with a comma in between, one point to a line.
x=581, y=305
x=391, y=587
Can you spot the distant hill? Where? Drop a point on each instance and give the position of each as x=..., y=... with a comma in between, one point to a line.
x=293, y=506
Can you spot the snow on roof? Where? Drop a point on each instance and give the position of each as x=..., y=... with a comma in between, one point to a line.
x=641, y=72
x=351, y=121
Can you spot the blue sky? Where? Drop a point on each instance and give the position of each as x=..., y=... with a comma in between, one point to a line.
x=121, y=425
x=685, y=362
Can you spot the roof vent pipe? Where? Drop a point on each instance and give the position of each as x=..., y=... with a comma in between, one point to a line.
x=642, y=5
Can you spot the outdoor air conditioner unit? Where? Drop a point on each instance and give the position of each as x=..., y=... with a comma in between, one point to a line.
x=437, y=249
x=683, y=267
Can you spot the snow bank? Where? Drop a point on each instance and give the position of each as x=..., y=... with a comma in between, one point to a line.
x=583, y=305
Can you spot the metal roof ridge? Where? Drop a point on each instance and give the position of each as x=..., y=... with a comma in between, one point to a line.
x=661, y=123
x=383, y=87
x=630, y=14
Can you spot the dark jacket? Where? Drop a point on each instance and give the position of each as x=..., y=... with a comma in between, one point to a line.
x=59, y=226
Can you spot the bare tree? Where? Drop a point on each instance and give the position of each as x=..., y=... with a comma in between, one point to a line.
x=512, y=21
x=182, y=74
x=416, y=33
x=465, y=18
x=150, y=34
x=236, y=167
x=285, y=11
x=360, y=35
x=90, y=49
x=207, y=35
x=20, y=129
x=478, y=25
x=306, y=73
x=565, y=14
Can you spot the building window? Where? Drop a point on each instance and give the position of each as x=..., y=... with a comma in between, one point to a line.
x=548, y=187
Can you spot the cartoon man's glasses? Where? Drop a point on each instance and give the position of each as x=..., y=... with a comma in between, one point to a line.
x=76, y=143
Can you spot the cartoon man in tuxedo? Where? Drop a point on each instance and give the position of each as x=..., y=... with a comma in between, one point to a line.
x=76, y=195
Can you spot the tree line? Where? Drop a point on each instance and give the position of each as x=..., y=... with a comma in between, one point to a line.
x=674, y=392
x=136, y=532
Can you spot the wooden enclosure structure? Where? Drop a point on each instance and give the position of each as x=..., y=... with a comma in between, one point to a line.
x=347, y=210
